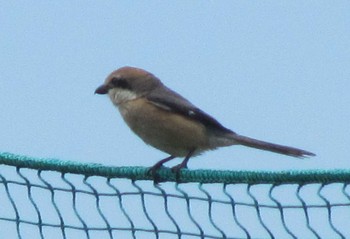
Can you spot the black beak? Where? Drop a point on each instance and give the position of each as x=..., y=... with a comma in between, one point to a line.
x=102, y=90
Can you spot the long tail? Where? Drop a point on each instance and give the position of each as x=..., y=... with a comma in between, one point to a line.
x=281, y=149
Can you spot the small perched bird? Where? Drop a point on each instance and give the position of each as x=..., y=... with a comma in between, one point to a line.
x=167, y=121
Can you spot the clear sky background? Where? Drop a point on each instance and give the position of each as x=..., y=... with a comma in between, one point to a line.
x=274, y=70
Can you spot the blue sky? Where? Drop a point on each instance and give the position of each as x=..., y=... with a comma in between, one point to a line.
x=274, y=70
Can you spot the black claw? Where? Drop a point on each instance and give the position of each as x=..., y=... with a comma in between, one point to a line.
x=177, y=171
x=152, y=172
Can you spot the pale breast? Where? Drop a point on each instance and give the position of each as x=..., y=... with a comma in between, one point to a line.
x=163, y=129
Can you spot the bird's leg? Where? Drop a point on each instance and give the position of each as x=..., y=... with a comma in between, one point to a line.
x=176, y=169
x=153, y=170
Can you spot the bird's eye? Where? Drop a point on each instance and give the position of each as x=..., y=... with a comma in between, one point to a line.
x=120, y=83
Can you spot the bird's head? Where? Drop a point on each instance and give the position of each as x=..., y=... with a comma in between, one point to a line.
x=128, y=83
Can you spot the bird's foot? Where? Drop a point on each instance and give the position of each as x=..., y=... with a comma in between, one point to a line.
x=154, y=169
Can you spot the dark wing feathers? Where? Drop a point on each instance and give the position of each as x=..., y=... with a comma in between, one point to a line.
x=179, y=105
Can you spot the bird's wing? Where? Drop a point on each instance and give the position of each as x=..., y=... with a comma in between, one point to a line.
x=169, y=100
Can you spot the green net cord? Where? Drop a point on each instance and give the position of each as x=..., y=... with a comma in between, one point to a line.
x=187, y=176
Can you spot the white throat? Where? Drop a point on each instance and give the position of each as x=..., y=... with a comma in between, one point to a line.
x=119, y=96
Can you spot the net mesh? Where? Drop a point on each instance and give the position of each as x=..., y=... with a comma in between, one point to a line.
x=48, y=198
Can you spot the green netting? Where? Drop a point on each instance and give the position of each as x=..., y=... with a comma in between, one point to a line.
x=49, y=198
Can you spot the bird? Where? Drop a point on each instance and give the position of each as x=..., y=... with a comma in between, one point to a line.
x=170, y=123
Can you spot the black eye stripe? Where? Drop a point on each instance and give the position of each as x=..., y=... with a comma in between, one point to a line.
x=120, y=83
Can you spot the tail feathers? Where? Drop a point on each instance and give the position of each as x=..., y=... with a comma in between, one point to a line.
x=258, y=144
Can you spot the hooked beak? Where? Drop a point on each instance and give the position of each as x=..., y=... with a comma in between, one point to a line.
x=102, y=90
